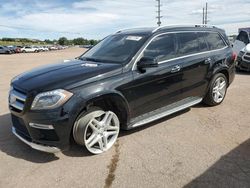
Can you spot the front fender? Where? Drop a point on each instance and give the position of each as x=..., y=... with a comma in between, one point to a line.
x=97, y=92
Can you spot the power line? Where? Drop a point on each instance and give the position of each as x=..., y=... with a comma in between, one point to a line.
x=158, y=17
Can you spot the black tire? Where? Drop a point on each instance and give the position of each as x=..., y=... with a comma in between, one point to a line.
x=78, y=138
x=209, y=99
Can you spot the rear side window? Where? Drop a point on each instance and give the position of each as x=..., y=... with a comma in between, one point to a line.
x=214, y=41
x=202, y=42
x=187, y=43
x=162, y=47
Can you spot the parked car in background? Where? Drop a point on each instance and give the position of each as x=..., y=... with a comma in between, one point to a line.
x=11, y=48
x=242, y=40
x=59, y=47
x=5, y=50
x=20, y=47
x=28, y=49
x=129, y=79
x=45, y=48
x=41, y=48
x=53, y=48
x=86, y=46
x=243, y=59
x=38, y=48
x=14, y=49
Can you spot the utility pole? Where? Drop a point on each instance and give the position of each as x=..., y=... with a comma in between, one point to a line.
x=159, y=13
x=206, y=21
x=203, y=16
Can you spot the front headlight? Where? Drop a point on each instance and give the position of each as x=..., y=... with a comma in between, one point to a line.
x=50, y=99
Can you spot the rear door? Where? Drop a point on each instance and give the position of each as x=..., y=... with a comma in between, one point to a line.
x=195, y=61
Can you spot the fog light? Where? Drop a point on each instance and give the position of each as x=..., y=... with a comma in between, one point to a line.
x=41, y=126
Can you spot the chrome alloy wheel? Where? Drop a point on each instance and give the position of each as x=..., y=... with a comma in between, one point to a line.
x=219, y=89
x=98, y=131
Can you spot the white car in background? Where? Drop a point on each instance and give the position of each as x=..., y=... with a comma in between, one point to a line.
x=242, y=40
x=43, y=48
x=53, y=48
x=29, y=49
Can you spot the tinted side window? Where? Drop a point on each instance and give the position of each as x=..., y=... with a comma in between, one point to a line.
x=202, y=42
x=187, y=43
x=162, y=47
x=243, y=37
x=214, y=41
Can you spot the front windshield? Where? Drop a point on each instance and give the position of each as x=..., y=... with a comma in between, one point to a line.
x=118, y=48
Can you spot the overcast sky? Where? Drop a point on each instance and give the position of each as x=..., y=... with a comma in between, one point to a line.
x=42, y=19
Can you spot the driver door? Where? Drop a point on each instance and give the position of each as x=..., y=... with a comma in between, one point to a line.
x=159, y=86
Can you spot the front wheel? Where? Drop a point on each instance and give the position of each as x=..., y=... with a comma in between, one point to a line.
x=217, y=90
x=97, y=130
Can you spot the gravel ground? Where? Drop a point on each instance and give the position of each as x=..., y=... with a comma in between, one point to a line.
x=198, y=147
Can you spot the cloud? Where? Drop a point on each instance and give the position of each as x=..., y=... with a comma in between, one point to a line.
x=98, y=18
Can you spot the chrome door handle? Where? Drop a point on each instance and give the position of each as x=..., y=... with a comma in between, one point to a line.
x=176, y=68
x=208, y=60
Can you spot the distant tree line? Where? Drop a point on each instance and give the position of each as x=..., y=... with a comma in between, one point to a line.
x=76, y=41
x=60, y=41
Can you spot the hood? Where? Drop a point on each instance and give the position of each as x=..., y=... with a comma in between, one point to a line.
x=65, y=75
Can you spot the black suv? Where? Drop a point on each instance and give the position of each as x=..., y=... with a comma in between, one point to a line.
x=127, y=80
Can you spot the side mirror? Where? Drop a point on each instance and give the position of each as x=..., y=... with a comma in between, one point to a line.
x=147, y=62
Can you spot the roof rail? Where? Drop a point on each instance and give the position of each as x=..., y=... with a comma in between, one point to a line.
x=127, y=29
x=120, y=30
x=183, y=25
x=205, y=25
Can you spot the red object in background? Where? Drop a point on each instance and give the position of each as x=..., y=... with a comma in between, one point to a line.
x=234, y=56
x=18, y=50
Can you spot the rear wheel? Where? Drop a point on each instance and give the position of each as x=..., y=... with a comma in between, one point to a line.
x=97, y=130
x=217, y=90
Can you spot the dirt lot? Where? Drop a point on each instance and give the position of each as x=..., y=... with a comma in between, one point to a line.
x=199, y=147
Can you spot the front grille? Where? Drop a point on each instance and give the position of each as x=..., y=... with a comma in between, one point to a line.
x=246, y=57
x=245, y=66
x=240, y=54
x=17, y=100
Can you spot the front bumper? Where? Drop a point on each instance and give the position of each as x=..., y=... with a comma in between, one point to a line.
x=242, y=65
x=46, y=130
x=39, y=147
x=44, y=139
x=243, y=62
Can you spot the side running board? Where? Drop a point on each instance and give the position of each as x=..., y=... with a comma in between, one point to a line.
x=165, y=111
